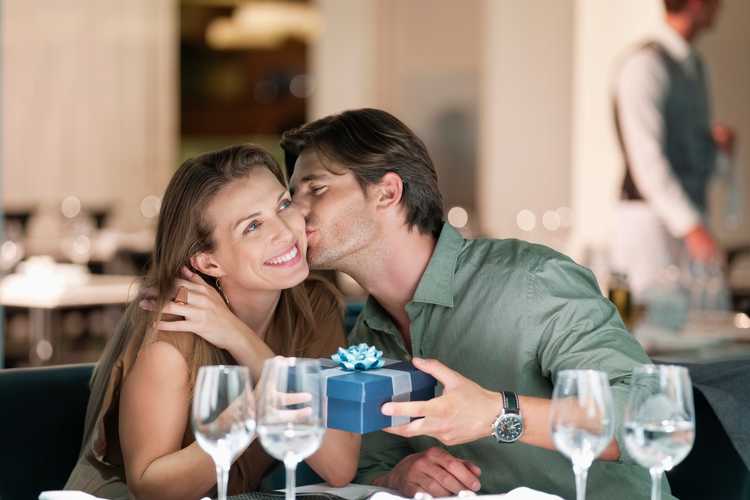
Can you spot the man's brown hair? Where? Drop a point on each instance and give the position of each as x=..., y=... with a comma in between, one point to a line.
x=370, y=143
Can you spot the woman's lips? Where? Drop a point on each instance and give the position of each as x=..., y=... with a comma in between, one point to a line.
x=290, y=258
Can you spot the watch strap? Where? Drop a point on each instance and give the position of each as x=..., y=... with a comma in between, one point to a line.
x=510, y=402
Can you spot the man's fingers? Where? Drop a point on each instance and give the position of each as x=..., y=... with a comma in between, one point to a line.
x=189, y=285
x=444, y=478
x=149, y=293
x=463, y=473
x=406, y=409
x=474, y=468
x=192, y=277
x=456, y=467
x=174, y=326
x=177, y=309
x=414, y=428
x=430, y=485
x=449, y=378
x=294, y=398
x=147, y=305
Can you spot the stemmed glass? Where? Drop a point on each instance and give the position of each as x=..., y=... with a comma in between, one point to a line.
x=582, y=419
x=223, y=417
x=290, y=413
x=659, y=419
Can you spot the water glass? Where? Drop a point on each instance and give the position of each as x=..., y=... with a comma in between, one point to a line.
x=290, y=413
x=223, y=417
x=659, y=419
x=582, y=419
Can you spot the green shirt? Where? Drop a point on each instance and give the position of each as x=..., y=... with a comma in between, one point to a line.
x=510, y=315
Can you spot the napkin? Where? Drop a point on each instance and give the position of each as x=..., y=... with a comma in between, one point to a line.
x=522, y=493
x=66, y=495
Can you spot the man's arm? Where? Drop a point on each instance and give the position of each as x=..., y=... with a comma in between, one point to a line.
x=443, y=418
x=581, y=329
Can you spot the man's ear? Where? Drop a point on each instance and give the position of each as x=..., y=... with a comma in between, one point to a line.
x=389, y=190
x=207, y=264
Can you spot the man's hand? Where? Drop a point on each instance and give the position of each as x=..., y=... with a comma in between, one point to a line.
x=724, y=138
x=463, y=413
x=701, y=244
x=434, y=471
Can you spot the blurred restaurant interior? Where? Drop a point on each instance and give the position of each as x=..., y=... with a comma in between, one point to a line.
x=102, y=99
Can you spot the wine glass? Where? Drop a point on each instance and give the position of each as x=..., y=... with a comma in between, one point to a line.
x=659, y=419
x=223, y=416
x=582, y=419
x=290, y=413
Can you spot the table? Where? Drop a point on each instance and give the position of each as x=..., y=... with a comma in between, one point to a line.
x=708, y=336
x=44, y=297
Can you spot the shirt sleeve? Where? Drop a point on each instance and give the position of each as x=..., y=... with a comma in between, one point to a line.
x=640, y=93
x=581, y=329
x=379, y=454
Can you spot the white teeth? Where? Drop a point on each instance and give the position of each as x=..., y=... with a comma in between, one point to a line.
x=284, y=258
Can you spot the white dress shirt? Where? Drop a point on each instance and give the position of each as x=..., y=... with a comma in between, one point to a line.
x=640, y=90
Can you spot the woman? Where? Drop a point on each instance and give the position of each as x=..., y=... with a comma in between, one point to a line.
x=228, y=234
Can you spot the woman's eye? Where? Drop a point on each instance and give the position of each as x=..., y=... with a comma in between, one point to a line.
x=285, y=204
x=252, y=227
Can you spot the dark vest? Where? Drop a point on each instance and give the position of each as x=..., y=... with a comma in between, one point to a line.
x=688, y=143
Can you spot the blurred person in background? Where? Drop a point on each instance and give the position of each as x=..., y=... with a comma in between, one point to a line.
x=229, y=234
x=662, y=114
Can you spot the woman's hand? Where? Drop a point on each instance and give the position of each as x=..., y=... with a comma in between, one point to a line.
x=204, y=313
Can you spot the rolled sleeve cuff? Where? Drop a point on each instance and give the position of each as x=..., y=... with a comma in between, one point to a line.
x=680, y=222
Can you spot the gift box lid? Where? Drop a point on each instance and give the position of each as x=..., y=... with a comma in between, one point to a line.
x=393, y=379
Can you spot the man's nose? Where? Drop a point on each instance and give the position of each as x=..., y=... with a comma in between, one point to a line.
x=303, y=205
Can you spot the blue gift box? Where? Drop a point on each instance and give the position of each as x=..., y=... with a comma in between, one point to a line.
x=353, y=398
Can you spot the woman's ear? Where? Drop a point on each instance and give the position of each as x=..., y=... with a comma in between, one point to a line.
x=205, y=263
x=389, y=190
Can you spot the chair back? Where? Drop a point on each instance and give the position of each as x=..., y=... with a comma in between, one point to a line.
x=41, y=427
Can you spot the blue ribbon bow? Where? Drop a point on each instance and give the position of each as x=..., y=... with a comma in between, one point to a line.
x=359, y=358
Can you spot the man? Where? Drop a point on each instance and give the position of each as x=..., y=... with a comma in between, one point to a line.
x=500, y=318
x=662, y=116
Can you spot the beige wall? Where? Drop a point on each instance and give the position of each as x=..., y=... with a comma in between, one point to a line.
x=89, y=93
x=417, y=59
x=526, y=104
x=344, y=59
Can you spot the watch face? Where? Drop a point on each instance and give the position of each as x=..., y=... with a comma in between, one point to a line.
x=509, y=428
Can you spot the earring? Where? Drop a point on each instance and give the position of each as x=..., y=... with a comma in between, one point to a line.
x=223, y=294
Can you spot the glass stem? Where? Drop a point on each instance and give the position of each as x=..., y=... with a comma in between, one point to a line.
x=290, y=480
x=222, y=480
x=656, y=475
x=582, y=474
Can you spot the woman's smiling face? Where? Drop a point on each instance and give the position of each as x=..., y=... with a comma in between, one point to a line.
x=259, y=234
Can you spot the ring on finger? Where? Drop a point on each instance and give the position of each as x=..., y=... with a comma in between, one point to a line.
x=182, y=296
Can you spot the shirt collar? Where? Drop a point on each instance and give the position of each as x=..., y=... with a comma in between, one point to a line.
x=377, y=318
x=436, y=286
x=676, y=46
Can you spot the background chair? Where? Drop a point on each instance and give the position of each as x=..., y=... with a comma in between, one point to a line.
x=41, y=427
x=715, y=469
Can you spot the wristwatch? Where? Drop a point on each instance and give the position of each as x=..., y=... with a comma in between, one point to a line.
x=508, y=426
